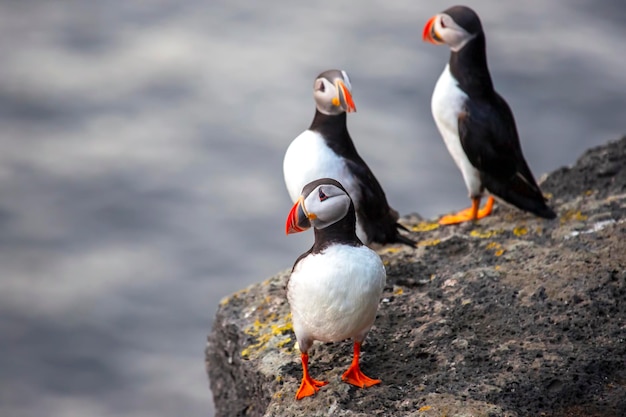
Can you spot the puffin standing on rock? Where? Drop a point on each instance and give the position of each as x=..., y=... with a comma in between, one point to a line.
x=476, y=123
x=335, y=287
x=325, y=150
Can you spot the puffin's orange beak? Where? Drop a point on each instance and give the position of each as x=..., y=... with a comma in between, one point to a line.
x=345, y=98
x=297, y=220
x=430, y=34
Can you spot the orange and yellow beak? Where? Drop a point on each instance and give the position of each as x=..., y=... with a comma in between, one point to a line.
x=298, y=219
x=344, y=97
x=430, y=34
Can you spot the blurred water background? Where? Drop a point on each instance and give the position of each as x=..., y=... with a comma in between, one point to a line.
x=141, y=151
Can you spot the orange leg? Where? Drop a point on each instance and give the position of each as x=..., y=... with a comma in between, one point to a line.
x=309, y=386
x=354, y=375
x=469, y=214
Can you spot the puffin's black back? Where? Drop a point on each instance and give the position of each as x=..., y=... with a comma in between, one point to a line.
x=492, y=145
x=379, y=220
x=487, y=127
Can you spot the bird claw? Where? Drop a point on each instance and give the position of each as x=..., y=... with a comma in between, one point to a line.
x=468, y=214
x=309, y=387
x=355, y=377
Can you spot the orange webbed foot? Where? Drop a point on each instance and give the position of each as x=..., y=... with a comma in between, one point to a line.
x=309, y=386
x=354, y=375
x=469, y=214
x=456, y=218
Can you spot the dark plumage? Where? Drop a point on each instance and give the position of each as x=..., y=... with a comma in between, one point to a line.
x=326, y=150
x=486, y=127
x=379, y=220
x=335, y=288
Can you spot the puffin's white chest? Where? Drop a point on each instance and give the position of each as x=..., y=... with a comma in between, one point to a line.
x=307, y=159
x=334, y=295
x=446, y=104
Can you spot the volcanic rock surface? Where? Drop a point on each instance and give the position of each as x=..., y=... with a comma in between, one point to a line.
x=511, y=316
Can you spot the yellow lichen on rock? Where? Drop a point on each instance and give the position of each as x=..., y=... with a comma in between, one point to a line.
x=429, y=242
x=573, y=215
x=272, y=332
x=391, y=250
x=425, y=227
x=283, y=342
x=498, y=248
x=237, y=294
x=484, y=234
x=520, y=231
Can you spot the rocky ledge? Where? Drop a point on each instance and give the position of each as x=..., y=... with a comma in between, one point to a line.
x=512, y=316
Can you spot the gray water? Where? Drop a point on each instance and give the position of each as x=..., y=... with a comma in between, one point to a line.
x=140, y=164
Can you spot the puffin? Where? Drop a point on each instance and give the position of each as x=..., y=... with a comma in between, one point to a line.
x=476, y=123
x=335, y=287
x=326, y=150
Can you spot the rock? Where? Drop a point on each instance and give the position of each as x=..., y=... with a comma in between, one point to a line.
x=512, y=316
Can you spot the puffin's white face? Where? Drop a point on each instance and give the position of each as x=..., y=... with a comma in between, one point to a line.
x=442, y=29
x=325, y=205
x=332, y=92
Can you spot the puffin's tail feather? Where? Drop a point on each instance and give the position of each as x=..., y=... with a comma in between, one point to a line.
x=389, y=234
x=545, y=212
x=403, y=239
x=521, y=193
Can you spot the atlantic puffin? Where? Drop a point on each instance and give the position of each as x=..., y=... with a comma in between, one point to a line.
x=325, y=150
x=476, y=123
x=335, y=287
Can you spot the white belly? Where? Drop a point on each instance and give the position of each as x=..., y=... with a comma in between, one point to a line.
x=307, y=159
x=334, y=295
x=446, y=104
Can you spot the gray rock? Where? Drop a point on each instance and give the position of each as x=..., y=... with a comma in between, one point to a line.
x=512, y=316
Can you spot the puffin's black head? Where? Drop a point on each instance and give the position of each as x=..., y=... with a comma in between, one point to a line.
x=322, y=203
x=454, y=27
x=332, y=92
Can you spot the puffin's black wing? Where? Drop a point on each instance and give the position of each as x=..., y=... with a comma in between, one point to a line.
x=490, y=141
x=379, y=220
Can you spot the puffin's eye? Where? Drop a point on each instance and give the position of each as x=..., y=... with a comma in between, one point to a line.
x=322, y=195
x=443, y=25
x=322, y=87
